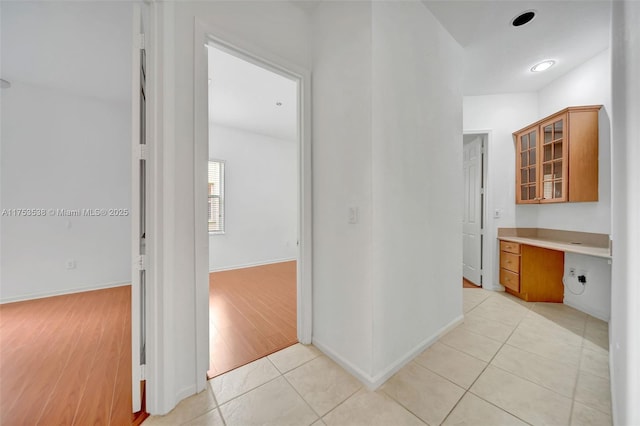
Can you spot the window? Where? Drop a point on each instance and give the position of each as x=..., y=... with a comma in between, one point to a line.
x=216, y=197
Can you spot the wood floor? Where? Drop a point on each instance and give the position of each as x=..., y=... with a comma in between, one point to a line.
x=66, y=360
x=252, y=313
x=468, y=284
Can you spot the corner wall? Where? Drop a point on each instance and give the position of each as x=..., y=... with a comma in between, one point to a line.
x=342, y=178
x=387, y=115
x=417, y=183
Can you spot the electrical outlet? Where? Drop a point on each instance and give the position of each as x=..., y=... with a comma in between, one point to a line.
x=572, y=272
x=582, y=273
x=71, y=264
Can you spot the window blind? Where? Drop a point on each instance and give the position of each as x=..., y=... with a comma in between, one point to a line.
x=216, y=196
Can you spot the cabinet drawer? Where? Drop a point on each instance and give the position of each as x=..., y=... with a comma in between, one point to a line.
x=510, y=280
x=510, y=247
x=510, y=261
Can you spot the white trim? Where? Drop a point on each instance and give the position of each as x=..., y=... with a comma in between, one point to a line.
x=204, y=34
x=160, y=370
x=42, y=295
x=252, y=264
x=201, y=234
x=490, y=266
x=604, y=316
x=374, y=382
x=136, y=30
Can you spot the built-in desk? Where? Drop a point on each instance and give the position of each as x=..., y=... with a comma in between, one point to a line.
x=586, y=243
x=532, y=259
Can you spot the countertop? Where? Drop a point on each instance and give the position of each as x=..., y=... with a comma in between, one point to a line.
x=561, y=246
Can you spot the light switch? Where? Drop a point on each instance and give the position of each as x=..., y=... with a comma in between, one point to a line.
x=496, y=213
x=353, y=215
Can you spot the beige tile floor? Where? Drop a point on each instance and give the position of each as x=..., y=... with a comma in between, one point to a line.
x=509, y=363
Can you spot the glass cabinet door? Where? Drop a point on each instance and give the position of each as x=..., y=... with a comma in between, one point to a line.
x=554, y=160
x=526, y=167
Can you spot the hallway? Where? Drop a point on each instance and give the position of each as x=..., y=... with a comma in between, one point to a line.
x=510, y=363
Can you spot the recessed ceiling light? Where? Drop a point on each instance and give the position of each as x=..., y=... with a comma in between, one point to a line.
x=542, y=66
x=523, y=18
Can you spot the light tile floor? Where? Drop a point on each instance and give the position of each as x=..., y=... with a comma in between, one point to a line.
x=509, y=363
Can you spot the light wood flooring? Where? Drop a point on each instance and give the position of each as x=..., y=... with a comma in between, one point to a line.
x=468, y=284
x=252, y=313
x=66, y=360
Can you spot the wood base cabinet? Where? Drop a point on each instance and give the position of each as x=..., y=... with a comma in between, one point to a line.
x=532, y=273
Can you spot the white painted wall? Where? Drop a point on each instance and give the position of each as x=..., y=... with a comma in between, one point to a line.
x=384, y=119
x=500, y=116
x=595, y=297
x=624, y=328
x=417, y=183
x=65, y=145
x=261, y=184
x=589, y=84
x=342, y=177
x=282, y=30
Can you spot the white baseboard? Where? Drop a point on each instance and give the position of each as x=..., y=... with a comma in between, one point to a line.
x=383, y=376
x=364, y=377
x=604, y=316
x=42, y=295
x=250, y=265
x=374, y=382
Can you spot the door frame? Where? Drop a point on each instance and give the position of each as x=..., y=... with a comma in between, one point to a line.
x=204, y=35
x=485, y=230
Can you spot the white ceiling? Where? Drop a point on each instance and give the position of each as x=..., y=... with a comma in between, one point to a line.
x=244, y=96
x=498, y=57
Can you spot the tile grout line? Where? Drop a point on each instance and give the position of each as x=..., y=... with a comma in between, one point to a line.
x=575, y=385
x=303, y=398
x=485, y=368
x=215, y=400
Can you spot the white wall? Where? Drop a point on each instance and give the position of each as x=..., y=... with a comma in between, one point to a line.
x=595, y=297
x=387, y=104
x=417, y=184
x=500, y=115
x=588, y=84
x=282, y=30
x=342, y=177
x=261, y=184
x=624, y=336
x=65, y=145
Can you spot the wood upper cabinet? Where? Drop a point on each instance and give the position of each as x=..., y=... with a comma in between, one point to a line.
x=557, y=158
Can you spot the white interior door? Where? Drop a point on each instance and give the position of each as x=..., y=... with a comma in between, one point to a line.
x=138, y=209
x=472, y=214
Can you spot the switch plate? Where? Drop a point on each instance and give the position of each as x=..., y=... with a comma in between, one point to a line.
x=352, y=215
x=496, y=213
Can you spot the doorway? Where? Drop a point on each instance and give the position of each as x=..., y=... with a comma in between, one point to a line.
x=253, y=209
x=473, y=218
